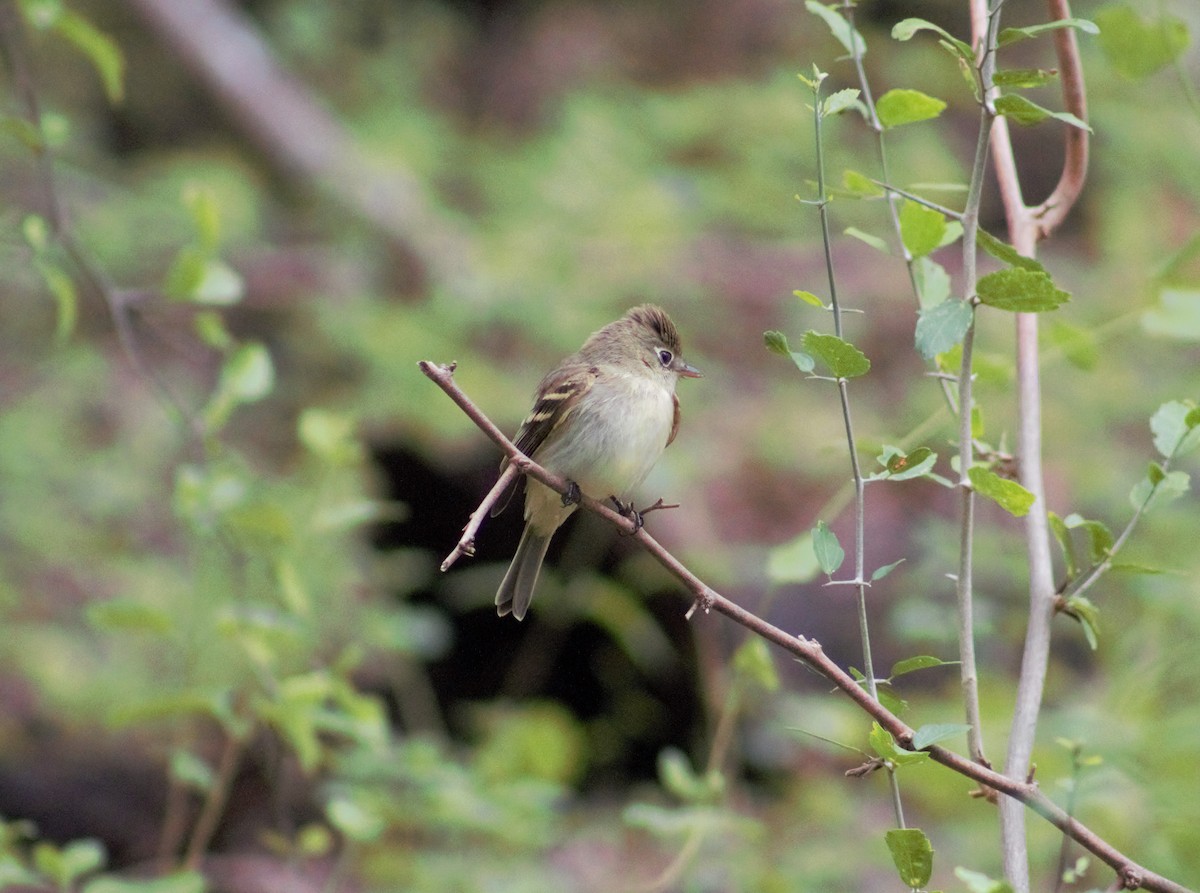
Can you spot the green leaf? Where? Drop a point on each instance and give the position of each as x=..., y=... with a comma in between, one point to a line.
x=920, y=662
x=1137, y=48
x=843, y=358
x=1085, y=611
x=885, y=748
x=677, y=776
x=861, y=185
x=67, y=865
x=1005, y=252
x=1174, y=428
x=931, y=733
x=777, y=343
x=848, y=37
x=1009, y=495
x=897, y=107
x=1100, y=540
x=827, y=549
x=1020, y=110
x=912, y=854
x=809, y=298
x=943, y=327
x=903, y=466
x=981, y=883
x=874, y=241
x=881, y=572
x=921, y=228
x=99, y=48
x=1020, y=291
x=1177, y=316
x=793, y=562
x=219, y=285
x=906, y=29
x=1012, y=35
x=753, y=659
x=933, y=282
x=840, y=101
x=1024, y=77
x=1159, y=488
x=1059, y=528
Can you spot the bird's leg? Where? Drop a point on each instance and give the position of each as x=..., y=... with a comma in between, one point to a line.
x=571, y=497
x=626, y=510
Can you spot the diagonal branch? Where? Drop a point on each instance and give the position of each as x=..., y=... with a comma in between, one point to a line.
x=1130, y=875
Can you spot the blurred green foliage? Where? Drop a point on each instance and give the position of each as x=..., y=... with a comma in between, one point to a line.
x=184, y=558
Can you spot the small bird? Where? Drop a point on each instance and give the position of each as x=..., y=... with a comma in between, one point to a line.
x=600, y=420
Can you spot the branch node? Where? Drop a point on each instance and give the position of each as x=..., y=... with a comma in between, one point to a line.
x=1132, y=877
x=866, y=768
x=704, y=602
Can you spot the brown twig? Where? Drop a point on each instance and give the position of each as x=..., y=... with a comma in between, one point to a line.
x=809, y=651
x=466, y=543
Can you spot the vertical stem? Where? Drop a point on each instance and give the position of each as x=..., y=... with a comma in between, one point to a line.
x=964, y=584
x=856, y=471
x=214, y=803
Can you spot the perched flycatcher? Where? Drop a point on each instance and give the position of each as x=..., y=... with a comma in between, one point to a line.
x=600, y=420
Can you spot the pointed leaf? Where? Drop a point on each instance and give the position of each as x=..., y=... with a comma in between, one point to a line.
x=921, y=228
x=912, y=854
x=897, y=107
x=933, y=282
x=943, y=327
x=932, y=733
x=1003, y=251
x=874, y=241
x=860, y=184
x=1024, y=77
x=1173, y=435
x=1009, y=495
x=1020, y=110
x=1012, y=35
x=840, y=101
x=1059, y=528
x=882, y=572
x=828, y=550
x=906, y=29
x=809, y=298
x=920, y=662
x=753, y=659
x=848, y=37
x=777, y=343
x=885, y=748
x=843, y=358
x=1159, y=488
x=1020, y=291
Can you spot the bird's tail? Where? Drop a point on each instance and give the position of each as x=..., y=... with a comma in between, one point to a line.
x=516, y=590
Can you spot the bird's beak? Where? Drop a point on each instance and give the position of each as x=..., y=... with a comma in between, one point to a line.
x=689, y=371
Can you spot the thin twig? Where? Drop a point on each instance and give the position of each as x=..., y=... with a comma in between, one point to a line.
x=810, y=652
x=466, y=543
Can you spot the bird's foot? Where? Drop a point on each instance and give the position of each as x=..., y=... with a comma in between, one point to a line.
x=572, y=496
x=626, y=510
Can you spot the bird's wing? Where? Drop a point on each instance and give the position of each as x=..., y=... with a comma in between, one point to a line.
x=558, y=396
x=674, y=420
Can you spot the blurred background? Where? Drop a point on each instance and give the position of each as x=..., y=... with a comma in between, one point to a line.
x=225, y=636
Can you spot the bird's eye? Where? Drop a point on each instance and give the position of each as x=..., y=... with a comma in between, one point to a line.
x=665, y=356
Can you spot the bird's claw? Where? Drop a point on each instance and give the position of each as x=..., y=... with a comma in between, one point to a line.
x=572, y=496
x=626, y=510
